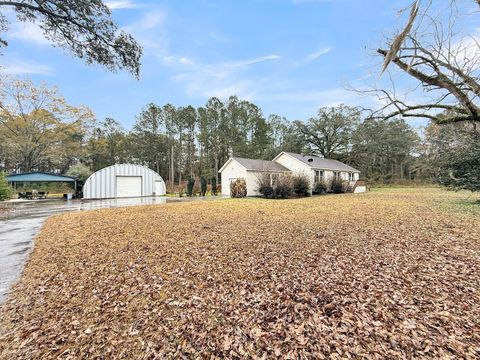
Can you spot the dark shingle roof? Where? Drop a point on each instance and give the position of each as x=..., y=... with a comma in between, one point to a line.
x=321, y=163
x=260, y=165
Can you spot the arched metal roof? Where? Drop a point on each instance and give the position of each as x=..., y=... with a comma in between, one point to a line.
x=102, y=184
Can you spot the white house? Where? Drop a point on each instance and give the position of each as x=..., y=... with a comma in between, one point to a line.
x=317, y=169
x=250, y=170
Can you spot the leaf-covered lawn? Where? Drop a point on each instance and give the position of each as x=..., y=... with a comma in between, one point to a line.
x=389, y=274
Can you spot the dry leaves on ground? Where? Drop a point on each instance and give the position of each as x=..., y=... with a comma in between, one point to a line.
x=390, y=274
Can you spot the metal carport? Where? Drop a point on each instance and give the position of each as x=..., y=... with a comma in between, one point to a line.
x=38, y=177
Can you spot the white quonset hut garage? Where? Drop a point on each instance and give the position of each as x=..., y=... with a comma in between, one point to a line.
x=123, y=180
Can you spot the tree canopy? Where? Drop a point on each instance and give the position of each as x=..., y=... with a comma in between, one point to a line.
x=82, y=27
x=38, y=128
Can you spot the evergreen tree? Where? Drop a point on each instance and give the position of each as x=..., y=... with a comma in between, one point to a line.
x=5, y=189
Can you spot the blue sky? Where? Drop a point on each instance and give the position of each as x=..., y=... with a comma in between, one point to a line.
x=290, y=57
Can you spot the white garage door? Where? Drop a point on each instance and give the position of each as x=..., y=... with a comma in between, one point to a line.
x=129, y=186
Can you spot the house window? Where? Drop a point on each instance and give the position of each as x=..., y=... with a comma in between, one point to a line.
x=319, y=176
x=336, y=175
x=274, y=179
x=351, y=176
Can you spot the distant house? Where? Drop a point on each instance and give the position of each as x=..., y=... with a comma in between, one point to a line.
x=317, y=169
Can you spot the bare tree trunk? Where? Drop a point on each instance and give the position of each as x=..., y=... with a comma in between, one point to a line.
x=172, y=168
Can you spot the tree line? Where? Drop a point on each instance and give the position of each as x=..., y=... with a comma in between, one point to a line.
x=40, y=131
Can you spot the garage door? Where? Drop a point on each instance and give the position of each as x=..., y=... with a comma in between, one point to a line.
x=129, y=186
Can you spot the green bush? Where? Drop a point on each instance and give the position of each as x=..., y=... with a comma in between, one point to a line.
x=338, y=186
x=214, y=186
x=264, y=186
x=79, y=171
x=283, y=190
x=301, y=185
x=238, y=188
x=190, y=185
x=203, y=186
x=284, y=187
x=320, y=188
x=267, y=191
x=5, y=189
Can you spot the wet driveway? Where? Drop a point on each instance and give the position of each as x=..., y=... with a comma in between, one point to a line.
x=20, y=226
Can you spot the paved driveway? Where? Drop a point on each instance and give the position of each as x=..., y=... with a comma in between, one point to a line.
x=19, y=227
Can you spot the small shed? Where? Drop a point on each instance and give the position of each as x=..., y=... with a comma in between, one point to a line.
x=39, y=177
x=123, y=181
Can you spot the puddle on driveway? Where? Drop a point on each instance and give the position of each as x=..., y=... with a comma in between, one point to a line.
x=20, y=226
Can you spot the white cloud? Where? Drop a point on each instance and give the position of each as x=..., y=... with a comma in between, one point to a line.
x=247, y=62
x=121, y=4
x=28, y=32
x=185, y=61
x=150, y=32
x=217, y=79
x=219, y=38
x=260, y=60
x=316, y=54
x=20, y=67
x=364, y=77
x=149, y=21
x=218, y=70
x=173, y=60
x=467, y=50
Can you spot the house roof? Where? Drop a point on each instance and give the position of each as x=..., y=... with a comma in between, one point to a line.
x=321, y=163
x=39, y=177
x=258, y=165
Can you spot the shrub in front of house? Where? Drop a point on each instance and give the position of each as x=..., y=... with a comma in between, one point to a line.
x=284, y=187
x=320, y=188
x=203, y=186
x=338, y=186
x=190, y=186
x=283, y=191
x=264, y=186
x=238, y=188
x=267, y=191
x=301, y=185
x=214, y=186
